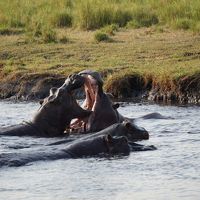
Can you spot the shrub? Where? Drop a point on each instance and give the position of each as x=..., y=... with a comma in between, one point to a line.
x=100, y=36
x=110, y=29
x=133, y=24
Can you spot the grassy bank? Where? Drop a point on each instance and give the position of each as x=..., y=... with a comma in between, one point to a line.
x=146, y=57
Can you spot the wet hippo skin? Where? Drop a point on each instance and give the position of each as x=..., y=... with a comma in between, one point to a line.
x=55, y=114
x=97, y=146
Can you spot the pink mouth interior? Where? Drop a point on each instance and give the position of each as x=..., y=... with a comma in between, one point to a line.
x=91, y=92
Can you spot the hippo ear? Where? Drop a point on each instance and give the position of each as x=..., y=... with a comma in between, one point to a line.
x=115, y=106
x=108, y=138
x=127, y=124
x=53, y=91
x=109, y=95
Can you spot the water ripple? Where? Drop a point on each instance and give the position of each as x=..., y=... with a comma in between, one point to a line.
x=171, y=172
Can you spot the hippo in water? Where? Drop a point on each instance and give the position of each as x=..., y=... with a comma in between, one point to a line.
x=126, y=128
x=155, y=115
x=103, y=114
x=104, y=111
x=55, y=113
x=132, y=132
x=96, y=146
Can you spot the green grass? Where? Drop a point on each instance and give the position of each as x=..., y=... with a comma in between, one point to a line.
x=163, y=56
x=63, y=19
x=95, y=14
x=157, y=40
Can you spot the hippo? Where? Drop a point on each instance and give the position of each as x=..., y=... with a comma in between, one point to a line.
x=96, y=146
x=132, y=132
x=155, y=115
x=103, y=114
x=55, y=113
x=126, y=128
x=104, y=111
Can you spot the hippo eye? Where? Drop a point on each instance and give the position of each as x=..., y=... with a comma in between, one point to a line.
x=115, y=106
x=124, y=140
x=61, y=92
x=127, y=124
x=41, y=101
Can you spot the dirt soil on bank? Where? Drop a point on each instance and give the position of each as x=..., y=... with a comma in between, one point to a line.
x=136, y=87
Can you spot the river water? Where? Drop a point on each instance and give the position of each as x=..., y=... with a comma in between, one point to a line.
x=170, y=172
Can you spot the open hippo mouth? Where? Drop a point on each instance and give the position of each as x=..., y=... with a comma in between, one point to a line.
x=93, y=89
x=103, y=112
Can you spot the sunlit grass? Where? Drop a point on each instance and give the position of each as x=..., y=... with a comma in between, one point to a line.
x=94, y=14
x=161, y=56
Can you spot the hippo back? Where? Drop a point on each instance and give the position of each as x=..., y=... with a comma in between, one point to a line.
x=20, y=130
x=87, y=148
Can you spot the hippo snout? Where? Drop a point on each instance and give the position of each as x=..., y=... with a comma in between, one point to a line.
x=142, y=133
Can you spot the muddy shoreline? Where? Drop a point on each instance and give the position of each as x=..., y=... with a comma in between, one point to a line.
x=35, y=86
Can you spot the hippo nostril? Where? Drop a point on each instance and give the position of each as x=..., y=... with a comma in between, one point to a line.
x=146, y=135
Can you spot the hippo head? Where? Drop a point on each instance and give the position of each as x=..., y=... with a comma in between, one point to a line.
x=93, y=84
x=96, y=101
x=117, y=145
x=133, y=132
x=60, y=107
x=92, y=74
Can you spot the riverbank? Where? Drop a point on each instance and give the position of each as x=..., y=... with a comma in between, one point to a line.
x=155, y=63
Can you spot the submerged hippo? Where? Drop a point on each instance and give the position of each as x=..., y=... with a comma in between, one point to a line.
x=155, y=115
x=55, y=113
x=126, y=128
x=132, y=132
x=101, y=145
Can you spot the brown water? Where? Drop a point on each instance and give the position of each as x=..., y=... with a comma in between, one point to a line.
x=171, y=172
